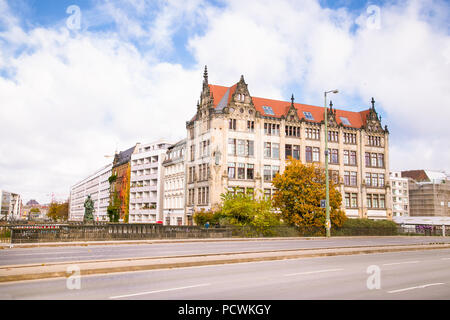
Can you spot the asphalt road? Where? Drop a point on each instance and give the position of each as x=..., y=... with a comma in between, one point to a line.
x=403, y=275
x=17, y=256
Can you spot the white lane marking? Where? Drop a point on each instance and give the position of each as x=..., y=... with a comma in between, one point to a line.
x=156, y=291
x=312, y=272
x=395, y=263
x=418, y=287
x=41, y=253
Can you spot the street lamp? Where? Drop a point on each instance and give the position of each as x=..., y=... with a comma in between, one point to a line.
x=327, y=199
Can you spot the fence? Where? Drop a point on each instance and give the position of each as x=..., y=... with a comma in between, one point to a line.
x=105, y=232
x=5, y=234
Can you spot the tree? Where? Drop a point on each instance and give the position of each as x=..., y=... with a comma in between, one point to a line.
x=202, y=216
x=58, y=211
x=298, y=193
x=239, y=209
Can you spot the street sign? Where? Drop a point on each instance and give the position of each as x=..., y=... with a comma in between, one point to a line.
x=323, y=203
x=328, y=224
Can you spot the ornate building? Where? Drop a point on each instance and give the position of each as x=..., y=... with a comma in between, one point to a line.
x=239, y=142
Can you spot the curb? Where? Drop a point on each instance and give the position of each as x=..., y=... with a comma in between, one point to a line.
x=171, y=265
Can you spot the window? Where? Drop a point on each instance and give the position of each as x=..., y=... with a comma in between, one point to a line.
x=369, y=201
x=232, y=124
x=232, y=146
x=275, y=150
x=271, y=150
x=316, y=154
x=288, y=151
x=308, y=115
x=271, y=129
x=333, y=136
x=240, y=147
x=347, y=200
x=375, y=160
x=345, y=121
x=334, y=156
x=353, y=158
x=292, y=131
x=250, y=171
x=349, y=138
x=232, y=170
x=308, y=154
x=267, y=173
x=296, y=153
x=241, y=171
x=275, y=170
x=333, y=176
x=351, y=200
x=267, y=149
x=374, y=141
x=354, y=200
x=268, y=110
x=313, y=134
x=353, y=178
x=250, y=126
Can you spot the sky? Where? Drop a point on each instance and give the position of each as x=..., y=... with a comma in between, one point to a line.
x=80, y=79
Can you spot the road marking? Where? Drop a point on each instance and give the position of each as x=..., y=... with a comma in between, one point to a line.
x=40, y=253
x=312, y=272
x=156, y=291
x=418, y=287
x=395, y=263
x=445, y=258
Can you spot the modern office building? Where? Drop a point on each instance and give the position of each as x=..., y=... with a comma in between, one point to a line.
x=239, y=142
x=429, y=193
x=400, y=195
x=174, y=185
x=97, y=186
x=146, y=190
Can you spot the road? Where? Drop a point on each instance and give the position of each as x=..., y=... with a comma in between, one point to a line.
x=104, y=252
x=403, y=275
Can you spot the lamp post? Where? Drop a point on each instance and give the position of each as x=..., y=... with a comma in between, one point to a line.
x=327, y=187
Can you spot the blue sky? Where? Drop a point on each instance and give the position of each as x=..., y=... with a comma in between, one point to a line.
x=74, y=95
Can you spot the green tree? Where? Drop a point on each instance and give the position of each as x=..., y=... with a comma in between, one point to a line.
x=298, y=193
x=58, y=211
x=203, y=216
x=33, y=212
x=239, y=209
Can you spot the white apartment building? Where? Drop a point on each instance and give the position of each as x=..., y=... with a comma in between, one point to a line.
x=400, y=195
x=10, y=205
x=97, y=186
x=174, y=185
x=146, y=187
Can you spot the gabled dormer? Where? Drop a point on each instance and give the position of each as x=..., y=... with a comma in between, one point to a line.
x=238, y=100
x=373, y=121
x=331, y=116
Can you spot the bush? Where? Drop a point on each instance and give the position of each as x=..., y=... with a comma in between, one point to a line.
x=366, y=227
x=202, y=216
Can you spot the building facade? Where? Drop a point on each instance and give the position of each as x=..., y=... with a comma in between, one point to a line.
x=10, y=205
x=120, y=183
x=400, y=195
x=429, y=193
x=174, y=185
x=239, y=142
x=146, y=191
x=97, y=186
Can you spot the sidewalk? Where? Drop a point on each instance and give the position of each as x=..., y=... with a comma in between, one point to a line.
x=60, y=270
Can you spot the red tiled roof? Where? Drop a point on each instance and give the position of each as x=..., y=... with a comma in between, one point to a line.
x=280, y=108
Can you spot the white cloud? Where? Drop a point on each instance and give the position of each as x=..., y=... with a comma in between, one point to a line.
x=72, y=97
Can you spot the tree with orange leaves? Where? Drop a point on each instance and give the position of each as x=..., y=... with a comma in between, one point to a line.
x=299, y=191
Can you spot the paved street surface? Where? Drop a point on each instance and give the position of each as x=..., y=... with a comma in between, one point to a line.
x=403, y=275
x=16, y=256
